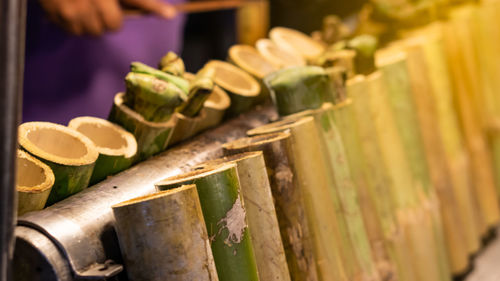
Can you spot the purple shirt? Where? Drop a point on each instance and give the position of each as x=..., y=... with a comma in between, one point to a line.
x=68, y=76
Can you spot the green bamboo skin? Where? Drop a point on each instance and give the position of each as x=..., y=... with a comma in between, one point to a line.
x=299, y=88
x=153, y=98
x=397, y=79
x=186, y=127
x=315, y=183
x=163, y=237
x=116, y=147
x=69, y=154
x=178, y=81
x=411, y=215
x=34, y=181
x=225, y=218
x=261, y=214
x=355, y=245
x=241, y=87
x=463, y=67
x=152, y=137
x=288, y=199
x=390, y=234
x=171, y=63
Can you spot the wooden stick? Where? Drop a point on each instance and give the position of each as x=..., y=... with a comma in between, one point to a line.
x=116, y=147
x=261, y=215
x=288, y=199
x=69, y=154
x=225, y=217
x=152, y=137
x=195, y=7
x=163, y=237
x=34, y=183
x=315, y=182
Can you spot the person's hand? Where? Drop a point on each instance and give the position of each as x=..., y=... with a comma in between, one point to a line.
x=94, y=17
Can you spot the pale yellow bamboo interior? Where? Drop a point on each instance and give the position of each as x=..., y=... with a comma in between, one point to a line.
x=58, y=143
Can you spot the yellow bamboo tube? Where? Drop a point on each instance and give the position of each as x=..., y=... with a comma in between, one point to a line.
x=313, y=178
x=465, y=76
x=411, y=215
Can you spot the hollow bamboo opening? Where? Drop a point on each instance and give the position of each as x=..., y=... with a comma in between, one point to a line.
x=196, y=174
x=233, y=79
x=249, y=59
x=296, y=41
x=32, y=174
x=278, y=56
x=155, y=195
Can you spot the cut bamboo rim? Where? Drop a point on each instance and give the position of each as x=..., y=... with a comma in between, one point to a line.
x=289, y=201
x=152, y=137
x=34, y=181
x=116, y=146
x=281, y=58
x=296, y=41
x=225, y=217
x=241, y=87
x=163, y=237
x=109, y=138
x=70, y=154
x=315, y=183
x=249, y=59
x=261, y=214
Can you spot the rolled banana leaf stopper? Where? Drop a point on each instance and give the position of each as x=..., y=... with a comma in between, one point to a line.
x=153, y=98
x=171, y=63
x=138, y=67
x=365, y=47
x=199, y=90
x=299, y=88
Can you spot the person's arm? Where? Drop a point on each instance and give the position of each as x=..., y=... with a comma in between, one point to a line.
x=95, y=17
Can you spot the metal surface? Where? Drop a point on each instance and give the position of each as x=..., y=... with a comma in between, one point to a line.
x=80, y=228
x=12, y=33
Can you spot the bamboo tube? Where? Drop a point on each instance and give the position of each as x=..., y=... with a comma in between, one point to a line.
x=163, y=237
x=252, y=21
x=299, y=88
x=152, y=137
x=200, y=89
x=225, y=217
x=315, y=183
x=288, y=199
x=463, y=67
x=397, y=78
x=69, y=154
x=355, y=246
x=448, y=133
x=281, y=58
x=343, y=58
x=34, y=181
x=241, y=87
x=410, y=212
x=297, y=42
x=261, y=215
x=116, y=146
x=180, y=82
x=394, y=246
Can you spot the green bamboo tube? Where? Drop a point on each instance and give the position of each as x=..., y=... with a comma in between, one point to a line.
x=397, y=78
x=225, y=217
x=215, y=107
x=153, y=98
x=34, y=181
x=394, y=244
x=180, y=82
x=355, y=245
x=448, y=133
x=407, y=202
x=261, y=214
x=69, y=154
x=241, y=87
x=163, y=237
x=288, y=199
x=279, y=57
x=171, y=63
x=463, y=67
x=116, y=146
x=297, y=42
x=299, y=88
x=315, y=182
x=152, y=137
